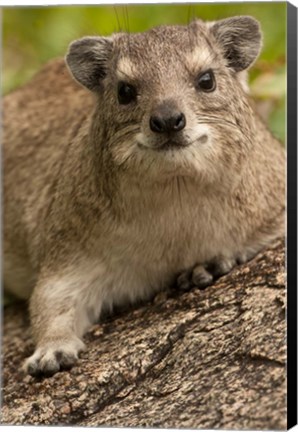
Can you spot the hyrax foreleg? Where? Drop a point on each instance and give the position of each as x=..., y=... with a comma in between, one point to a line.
x=62, y=307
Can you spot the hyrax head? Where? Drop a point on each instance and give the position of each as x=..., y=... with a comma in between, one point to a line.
x=172, y=100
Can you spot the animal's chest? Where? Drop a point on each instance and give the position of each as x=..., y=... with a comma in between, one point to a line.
x=146, y=252
x=174, y=234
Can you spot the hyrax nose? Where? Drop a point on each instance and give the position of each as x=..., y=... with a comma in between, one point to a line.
x=167, y=118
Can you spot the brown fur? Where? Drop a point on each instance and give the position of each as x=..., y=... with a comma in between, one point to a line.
x=95, y=214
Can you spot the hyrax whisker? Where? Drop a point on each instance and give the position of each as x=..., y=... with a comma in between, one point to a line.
x=219, y=121
x=117, y=19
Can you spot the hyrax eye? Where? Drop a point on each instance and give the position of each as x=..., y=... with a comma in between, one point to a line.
x=206, y=81
x=126, y=93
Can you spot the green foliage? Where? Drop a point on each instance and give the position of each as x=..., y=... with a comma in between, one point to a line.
x=33, y=35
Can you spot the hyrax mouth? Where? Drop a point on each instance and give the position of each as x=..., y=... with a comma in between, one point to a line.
x=173, y=144
x=167, y=145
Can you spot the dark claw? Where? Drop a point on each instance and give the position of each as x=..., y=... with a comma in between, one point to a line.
x=184, y=281
x=37, y=371
x=202, y=276
x=66, y=361
x=198, y=277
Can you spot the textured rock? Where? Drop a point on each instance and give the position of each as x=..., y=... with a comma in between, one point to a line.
x=201, y=359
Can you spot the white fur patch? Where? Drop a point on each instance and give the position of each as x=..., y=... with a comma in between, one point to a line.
x=200, y=57
x=199, y=133
x=144, y=140
x=242, y=78
x=126, y=69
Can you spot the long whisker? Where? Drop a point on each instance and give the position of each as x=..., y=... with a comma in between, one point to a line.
x=127, y=19
x=126, y=26
x=117, y=19
x=123, y=133
x=124, y=162
x=217, y=120
x=225, y=122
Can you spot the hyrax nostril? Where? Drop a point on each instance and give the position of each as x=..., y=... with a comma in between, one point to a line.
x=173, y=123
x=180, y=122
x=157, y=124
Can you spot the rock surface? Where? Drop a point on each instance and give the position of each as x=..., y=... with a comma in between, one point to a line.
x=200, y=359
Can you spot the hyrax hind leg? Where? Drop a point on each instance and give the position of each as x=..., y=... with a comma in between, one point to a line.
x=62, y=307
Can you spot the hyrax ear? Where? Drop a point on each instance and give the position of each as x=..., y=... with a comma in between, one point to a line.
x=240, y=39
x=87, y=60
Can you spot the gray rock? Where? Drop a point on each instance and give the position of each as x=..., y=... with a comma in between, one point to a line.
x=199, y=359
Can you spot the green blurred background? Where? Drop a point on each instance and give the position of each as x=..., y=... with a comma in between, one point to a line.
x=33, y=35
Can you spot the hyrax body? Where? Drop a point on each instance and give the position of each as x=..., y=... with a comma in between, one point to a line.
x=160, y=168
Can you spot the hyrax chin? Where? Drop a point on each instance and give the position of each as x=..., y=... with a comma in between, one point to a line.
x=155, y=169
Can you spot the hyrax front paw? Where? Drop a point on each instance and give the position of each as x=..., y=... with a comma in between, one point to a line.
x=202, y=276
x=53, y=356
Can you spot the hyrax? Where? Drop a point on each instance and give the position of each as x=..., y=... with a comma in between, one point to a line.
x=155, y=168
